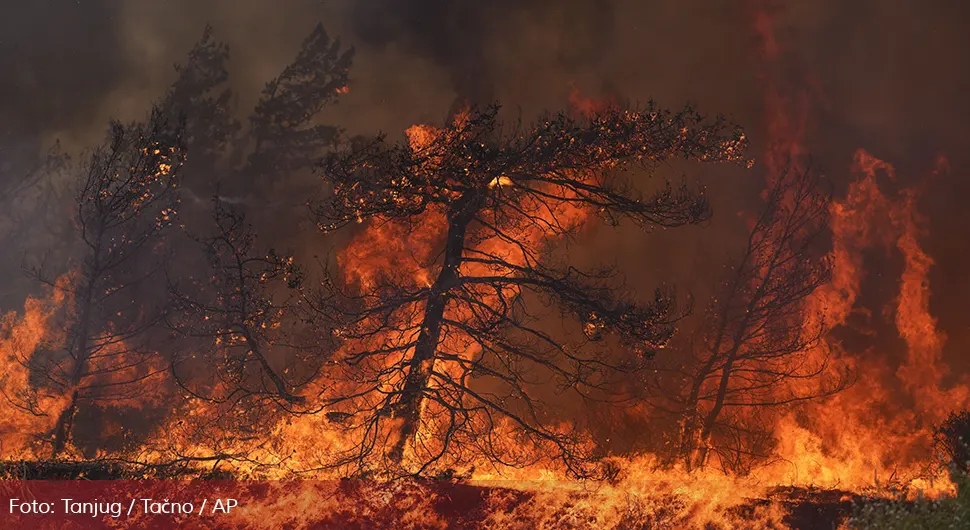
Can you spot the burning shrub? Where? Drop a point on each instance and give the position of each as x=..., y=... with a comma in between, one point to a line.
x=884, y=514
x=953, y=439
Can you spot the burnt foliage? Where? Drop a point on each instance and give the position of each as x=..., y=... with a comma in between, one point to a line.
x=953, y=439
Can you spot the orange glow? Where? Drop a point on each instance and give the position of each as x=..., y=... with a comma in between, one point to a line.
x=27, y=415
x=868, y=434
x=585, y=105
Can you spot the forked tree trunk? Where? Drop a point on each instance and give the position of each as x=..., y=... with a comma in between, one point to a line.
x=274, y=377
x=690, y=427
x=702, y=443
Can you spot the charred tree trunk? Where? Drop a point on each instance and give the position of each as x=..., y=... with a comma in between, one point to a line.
x=696, y=455
x=690, y=437
x=62, y=429
x=274, y=377
x=79, y=352
x=421, y=365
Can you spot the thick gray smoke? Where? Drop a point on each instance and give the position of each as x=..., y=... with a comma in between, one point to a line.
x=59, y=60
x=889, y=76
x=463, y=37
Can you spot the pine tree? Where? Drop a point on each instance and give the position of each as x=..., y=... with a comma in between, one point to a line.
x=453, y=362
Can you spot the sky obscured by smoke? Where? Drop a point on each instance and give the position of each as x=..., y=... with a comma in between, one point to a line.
x=885, y=70
x=887, y=75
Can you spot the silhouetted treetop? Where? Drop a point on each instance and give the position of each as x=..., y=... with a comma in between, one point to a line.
x=201, y=96
x=283, y=117
x=558, y=158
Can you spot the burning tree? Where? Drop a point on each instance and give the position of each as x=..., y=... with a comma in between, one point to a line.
x=125, y=200
x=455, y=357
x=255, y=355
x=244, y=352
x=240, y=312
x=758, y=346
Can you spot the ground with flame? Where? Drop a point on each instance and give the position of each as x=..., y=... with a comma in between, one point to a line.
x=846, y=444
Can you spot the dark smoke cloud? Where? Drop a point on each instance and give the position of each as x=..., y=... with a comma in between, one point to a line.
x=58, y=58
x=877, y=62
x=460, y=35
x=888, y=75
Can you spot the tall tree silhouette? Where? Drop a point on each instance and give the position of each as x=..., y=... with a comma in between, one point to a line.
x=125, y=201
x=453, y=359
x=201, y=96
x=282, y=135
x=758, y=346
x=241, y=310
x=283, y=131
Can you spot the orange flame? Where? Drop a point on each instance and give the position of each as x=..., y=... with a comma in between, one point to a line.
x=28, y=414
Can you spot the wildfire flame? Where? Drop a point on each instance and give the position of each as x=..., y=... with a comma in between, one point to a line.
x=876, y=433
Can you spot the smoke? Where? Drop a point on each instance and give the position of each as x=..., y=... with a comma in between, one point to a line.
x=885, y=75
x=464, y=38
x=875, y=63
x=59, y=59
